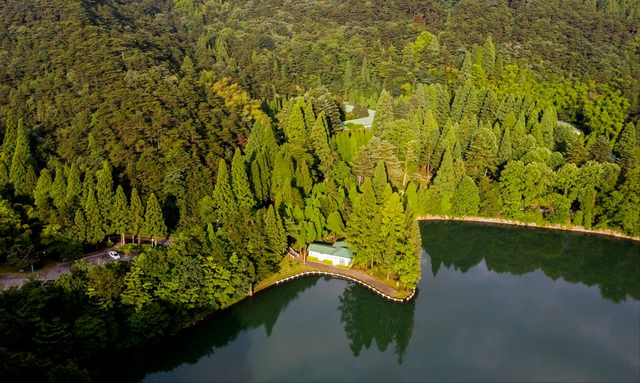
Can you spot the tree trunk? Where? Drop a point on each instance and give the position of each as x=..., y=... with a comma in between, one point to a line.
x=138, y=240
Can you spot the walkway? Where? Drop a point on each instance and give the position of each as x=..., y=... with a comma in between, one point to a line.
x=96, y=258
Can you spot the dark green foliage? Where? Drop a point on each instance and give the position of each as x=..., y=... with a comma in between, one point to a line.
x=466, y=199
x=154, y=225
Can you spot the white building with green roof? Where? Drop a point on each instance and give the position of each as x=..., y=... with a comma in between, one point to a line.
x=338, y=253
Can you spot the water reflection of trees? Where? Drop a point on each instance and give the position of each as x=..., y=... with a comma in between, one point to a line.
x=367, y=317
x=202, y=340
x=612, y=265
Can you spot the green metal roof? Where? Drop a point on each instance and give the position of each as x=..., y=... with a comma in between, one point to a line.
x=338, y=249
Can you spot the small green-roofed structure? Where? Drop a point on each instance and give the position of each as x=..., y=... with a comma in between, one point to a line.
x=339, y=253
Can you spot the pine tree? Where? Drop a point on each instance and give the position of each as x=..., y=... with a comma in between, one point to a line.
x=136, y=216
x=223, y=195
x=94, y=220
x=41, y=195
x=429, y=137
x=10, y=139
x=303, y=177
x=80, y=226
x=255, y=141
x=362, y=164
x=296, y=132
x=261, y=177
x=444, y=182
x=59, y=188
x=88, y=183
x=275, y=236
x=626, y=148
x=309, y=115
x=498, y=67
x=466, y=198
x=488, y=55
x=320, y=144
x=464, y=75
x=384, y=114
x=483, y=153
x=505, y=151
x=380, y=182
x=512, y=182
x=391, y=231
x=121, y=214
x=154, y=225
x=600, y=151
x=104, y=194
x=240, y=183
x=21, y=163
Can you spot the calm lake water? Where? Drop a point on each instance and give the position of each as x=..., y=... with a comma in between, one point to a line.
x=494, y=304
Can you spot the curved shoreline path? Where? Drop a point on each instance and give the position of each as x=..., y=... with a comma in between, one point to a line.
x=357, y=276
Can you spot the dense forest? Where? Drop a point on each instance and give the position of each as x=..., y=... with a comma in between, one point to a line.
x=220, y=122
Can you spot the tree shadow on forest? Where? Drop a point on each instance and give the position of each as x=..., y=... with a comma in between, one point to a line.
x=611, y=264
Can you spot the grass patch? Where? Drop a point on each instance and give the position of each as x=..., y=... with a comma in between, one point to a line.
x=288, y=267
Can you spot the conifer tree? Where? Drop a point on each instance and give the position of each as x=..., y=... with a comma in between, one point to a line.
x=240, y=183
x=362, y=164
x=20, y=163
x=104, y=194
x=154, y=225
x=429, y=137
x=121, y=214
x=303, y=177
x=223, y=195
x=363, y=227
x=255, y=142
x=41, y=195
x=498, y=67
x=384, y=114
x=136, y=216
x=59, y=188
x=4, y=173
x=464, y=75
x=261, y=177
x=512, y=182
x=94, y=220
x=309, y=115
x=74, y=187
x=505, y=151
x=627, y=149
x=275, y=236
x=600, y=150
x=9, y=140
x=444, y=182
x=466, y=198
x=296, y=132
x=320, y=144
x=483, y=152
x=88, y=183
x=488, y=55
x=80, y=226
x=380, y=182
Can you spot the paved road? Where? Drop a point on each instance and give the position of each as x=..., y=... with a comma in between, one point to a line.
x=96, y=258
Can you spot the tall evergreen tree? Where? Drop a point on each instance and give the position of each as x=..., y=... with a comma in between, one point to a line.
x=627, y=149
x=384, y=114
x=488, y=55
x=59, y=188
x=121, y=214
x=74, y=187
x=104, y=194
x=223, y=194
x=240, y=183
x=380, y=182
x=20, y=164
x=466, y=198
x=80, y=227
x=483, y=153
x=444, y=182
x=505, y=151
x=391, y=231
x=136, y=216
x=320, y=144
x=154, y=225
x=41, y=195
x=464, y=74
x=94, y=219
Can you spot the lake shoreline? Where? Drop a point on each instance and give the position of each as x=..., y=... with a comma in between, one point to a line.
x=501, y=221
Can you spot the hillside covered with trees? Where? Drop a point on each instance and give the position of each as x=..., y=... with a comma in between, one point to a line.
x=219, y=122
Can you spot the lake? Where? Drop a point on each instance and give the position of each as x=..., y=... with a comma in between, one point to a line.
x=495, y=303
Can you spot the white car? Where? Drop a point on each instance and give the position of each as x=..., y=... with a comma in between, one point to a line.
x=114, y=255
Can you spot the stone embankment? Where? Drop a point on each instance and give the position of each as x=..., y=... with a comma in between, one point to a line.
x=500, y=221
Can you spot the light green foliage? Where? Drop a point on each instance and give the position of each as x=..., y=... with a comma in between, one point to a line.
x=320, y=143
x=466, y=198
x=154, y=225
x=512, y=188
x=240, y=183
x=444, y=182
x=21, y=163
x=223, y=197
